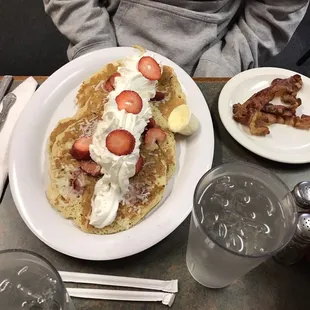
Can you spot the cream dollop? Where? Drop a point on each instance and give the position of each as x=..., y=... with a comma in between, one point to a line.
x=111, y=188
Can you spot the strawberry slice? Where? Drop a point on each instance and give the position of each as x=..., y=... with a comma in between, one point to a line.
x=77, y=181
x=151, y=123
x=158, y=96
x=90, y=167
x=149, y=68
x=130, y=101
x=110, y=83
x=108, y=86
x=139, y=164
x=80, y=148
x=153, y=136
x=120, y=142
x=112, y=78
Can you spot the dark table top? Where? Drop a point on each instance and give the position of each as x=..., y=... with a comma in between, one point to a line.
x=269, y=286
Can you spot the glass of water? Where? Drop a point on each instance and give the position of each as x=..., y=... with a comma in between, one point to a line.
x=29, y=281
x=242, y=215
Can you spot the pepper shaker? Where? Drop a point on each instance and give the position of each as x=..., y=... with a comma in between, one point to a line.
x=300, y=242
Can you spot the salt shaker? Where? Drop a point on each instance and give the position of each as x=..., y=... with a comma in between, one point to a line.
x=300, y=242
x=301, y=194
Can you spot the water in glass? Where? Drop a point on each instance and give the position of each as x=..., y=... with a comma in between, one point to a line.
x=237, y=222
x=28, y=282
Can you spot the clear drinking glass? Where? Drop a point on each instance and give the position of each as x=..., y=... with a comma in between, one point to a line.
x=29, y=281
x=242, y=215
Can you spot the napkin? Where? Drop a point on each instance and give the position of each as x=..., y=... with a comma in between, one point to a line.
x=23, y=93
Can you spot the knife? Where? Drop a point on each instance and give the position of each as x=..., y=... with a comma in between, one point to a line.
x=7, y=103
x=4, y=85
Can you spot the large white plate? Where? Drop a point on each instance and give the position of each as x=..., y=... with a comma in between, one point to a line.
x=55, y=100
x=284, y=143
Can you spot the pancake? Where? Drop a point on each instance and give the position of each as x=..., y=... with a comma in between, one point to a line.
x=146, y=189
x=90, y=99
x=170, y=86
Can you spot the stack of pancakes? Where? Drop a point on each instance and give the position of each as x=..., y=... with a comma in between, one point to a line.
x=146, y=188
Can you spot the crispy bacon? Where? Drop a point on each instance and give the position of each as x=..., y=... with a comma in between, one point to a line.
x=285, y=88
x=257, y=112
x=260, y=122
x=302, y=122
x=279, y=110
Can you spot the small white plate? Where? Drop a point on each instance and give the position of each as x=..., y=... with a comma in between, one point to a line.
x=284, y=143
x=28, y=173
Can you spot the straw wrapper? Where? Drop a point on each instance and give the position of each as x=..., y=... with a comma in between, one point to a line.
x=158, y=285
x=166, y=298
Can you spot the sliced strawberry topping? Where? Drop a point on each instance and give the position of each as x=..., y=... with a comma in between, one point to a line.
x=108, y=86
x=120, y=142
x=90, y=167
x=80, y=148
x=130, y=101
x=112, y=78
x=149, y=68
x=151, y=123
x=110, y=83
x=158, y=96
x=139, y=164
x=77, y=181
x=153, y=136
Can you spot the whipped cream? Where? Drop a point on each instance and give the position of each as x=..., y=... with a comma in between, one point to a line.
x=111, y=188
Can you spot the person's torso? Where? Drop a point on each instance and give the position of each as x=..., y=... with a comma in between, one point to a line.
x=179, y=29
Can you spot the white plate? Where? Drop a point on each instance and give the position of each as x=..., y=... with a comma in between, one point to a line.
x=55, y=100
x=284, y=143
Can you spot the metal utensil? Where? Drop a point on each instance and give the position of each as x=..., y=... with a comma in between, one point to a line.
x=4, y=85
x=8, y=102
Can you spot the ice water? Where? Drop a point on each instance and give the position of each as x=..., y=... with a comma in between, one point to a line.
x=27, y=282
x=238, y=221
x=25, y=290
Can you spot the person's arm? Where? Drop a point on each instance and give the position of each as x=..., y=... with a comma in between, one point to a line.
x=83, y=22
x=262, y=31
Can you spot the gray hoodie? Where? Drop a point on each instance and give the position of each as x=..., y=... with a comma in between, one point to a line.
x=206, y=38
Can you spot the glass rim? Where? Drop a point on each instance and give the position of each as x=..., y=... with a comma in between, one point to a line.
x=256, y=167
x=46, y=261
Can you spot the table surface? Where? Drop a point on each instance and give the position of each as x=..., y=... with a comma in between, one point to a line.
x=269, y=286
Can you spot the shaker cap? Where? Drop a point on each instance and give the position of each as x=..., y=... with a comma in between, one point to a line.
x=303, y=227
x=301, y=193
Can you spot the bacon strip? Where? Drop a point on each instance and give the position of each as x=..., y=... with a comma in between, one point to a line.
x=257, y=112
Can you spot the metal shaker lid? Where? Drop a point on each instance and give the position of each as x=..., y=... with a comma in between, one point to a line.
x=301, y=193
x=303, y=227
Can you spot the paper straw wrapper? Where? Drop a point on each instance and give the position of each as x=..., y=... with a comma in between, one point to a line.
x=166, y=298
x=158, y=285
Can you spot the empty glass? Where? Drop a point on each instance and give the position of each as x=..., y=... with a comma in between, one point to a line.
x=29, y=281
x=242, y=215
